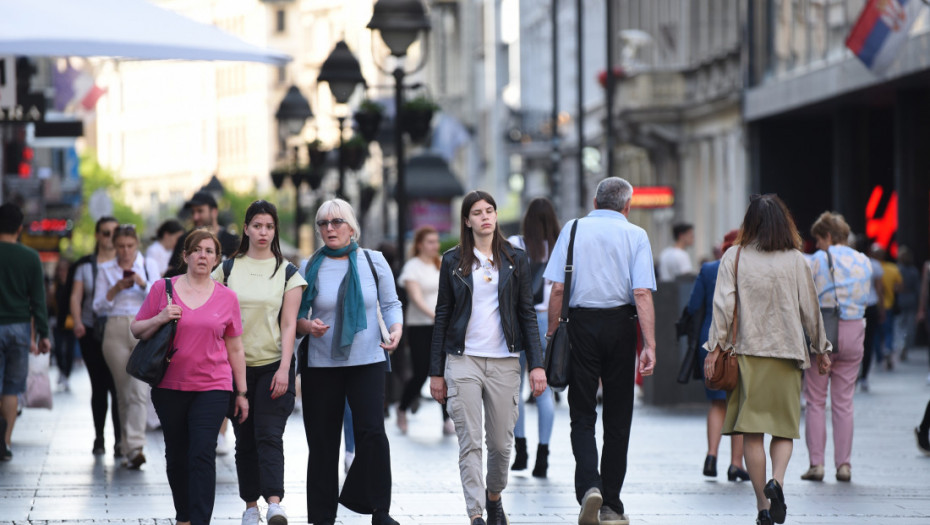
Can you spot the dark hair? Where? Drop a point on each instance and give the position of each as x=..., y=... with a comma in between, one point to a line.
x=168, y=227
x=100, y=222
x=832, y=224
x=418, y=237
x=193, y=239
x=261, y=207
x=467, y=239
x=768, y=224
x=125, y=230
x=11, y=218
x=540, y=229
x=680, y=229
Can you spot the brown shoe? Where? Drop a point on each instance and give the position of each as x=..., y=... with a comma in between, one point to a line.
x=815, y=473
x=136, y=461
x=843, y=473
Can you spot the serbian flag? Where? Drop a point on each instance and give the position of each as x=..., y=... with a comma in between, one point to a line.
x=881, y=30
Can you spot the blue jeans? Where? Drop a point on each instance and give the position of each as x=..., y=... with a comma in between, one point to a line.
x=14, y=357
x=544, y=402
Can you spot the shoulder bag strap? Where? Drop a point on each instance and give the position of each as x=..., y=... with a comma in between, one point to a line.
x=569, y=269
x=227, y=269
x=735, y=329
x=168, y=290
x=836, y=298
x=373, y=273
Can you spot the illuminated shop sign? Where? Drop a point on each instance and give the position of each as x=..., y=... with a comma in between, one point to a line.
x=51, y=226
x=882, y=228
x=653, y=197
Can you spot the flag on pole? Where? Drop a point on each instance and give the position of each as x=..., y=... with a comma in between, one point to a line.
x=881, y=30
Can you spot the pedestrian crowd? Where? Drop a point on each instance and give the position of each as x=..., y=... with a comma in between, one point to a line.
x=256, y=336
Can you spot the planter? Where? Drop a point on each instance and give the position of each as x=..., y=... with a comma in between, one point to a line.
x=313, y=176
x=354, y=156
x=416, y=123
x=367, y=124
x=317, y=157
x=277, y=177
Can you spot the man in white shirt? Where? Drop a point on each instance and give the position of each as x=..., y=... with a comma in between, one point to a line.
x=674, y=260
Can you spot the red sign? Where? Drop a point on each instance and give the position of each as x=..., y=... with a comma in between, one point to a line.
x=653, y=197
x=50, y=226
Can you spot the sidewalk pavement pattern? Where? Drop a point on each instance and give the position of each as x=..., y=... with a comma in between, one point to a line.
x=53, y=478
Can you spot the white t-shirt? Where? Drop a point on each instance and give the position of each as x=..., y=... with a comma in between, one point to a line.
x=484, y=336
x=125, y=302
x=427, y=276
x=158, y=256
x=674, y=262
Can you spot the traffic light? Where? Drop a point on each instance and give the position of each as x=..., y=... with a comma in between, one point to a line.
x=18, y=158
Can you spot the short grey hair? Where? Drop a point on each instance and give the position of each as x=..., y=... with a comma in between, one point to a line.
x=338, y=208
x=613, y=193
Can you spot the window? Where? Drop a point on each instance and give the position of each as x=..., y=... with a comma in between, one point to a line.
x=280, y=21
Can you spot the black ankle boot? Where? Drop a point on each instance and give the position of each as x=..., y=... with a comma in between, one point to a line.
x=519, y=461
x=381, y=517
x=542, y=461
x=496, y=515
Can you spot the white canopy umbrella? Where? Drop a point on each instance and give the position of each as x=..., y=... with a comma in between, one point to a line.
x=117, y=28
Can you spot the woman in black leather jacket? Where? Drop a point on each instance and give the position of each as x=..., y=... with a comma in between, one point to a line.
x=484, y=319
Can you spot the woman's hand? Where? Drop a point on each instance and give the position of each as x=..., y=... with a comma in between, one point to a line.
x=140, y=280
x=79, y=329
x=396, y=332
x=318, y=328
x=437, y=389
x=242, y=408
x=170, y=312
x=538, y=381
x=279, y=383
x=823, y=364
x=709, y=362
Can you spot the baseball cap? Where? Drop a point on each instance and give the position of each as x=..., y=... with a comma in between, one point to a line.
x=200, y=198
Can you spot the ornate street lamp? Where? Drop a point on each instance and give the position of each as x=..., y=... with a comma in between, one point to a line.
x=343, y=74
x=291, y=115
x=400, y=23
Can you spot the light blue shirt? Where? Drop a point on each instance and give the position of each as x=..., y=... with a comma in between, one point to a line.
x=852, y=275
x=366, y=347
x=612, y=258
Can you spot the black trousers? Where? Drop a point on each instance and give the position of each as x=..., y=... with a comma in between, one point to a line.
x=190, y=422
x=603, y=347
x=64, y=351
x=367, y=486
x=871, y=326
x=260, y=438
x=419, y=339
x=101, y=384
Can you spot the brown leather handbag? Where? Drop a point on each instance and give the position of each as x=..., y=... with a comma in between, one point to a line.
x=726, y=367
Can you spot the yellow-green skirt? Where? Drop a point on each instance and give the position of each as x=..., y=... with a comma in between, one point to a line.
x=767, y=398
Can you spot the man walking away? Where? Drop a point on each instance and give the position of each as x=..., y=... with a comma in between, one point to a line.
x=205, y=214
x=22, y=302
x=612, y=287
x=674, y=260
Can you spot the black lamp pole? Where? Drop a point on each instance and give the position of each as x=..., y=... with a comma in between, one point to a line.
x=298, y=212
x=291, y=115
x=341, y=191
x=342, y=72
x=400, y=22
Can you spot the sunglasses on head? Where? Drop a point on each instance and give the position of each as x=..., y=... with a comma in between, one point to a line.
x=323, y=224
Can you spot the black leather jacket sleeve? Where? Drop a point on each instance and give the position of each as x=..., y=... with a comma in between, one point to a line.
x=445, y=304
x=526, y=313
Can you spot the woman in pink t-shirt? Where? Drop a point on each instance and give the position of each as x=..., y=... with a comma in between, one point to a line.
x=193, y=398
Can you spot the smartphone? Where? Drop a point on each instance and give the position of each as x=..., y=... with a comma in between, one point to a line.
x=128, y=273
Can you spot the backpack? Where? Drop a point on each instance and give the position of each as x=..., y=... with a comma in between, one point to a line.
x=289, y=271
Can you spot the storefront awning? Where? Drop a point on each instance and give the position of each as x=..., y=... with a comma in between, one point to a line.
x=118, y=28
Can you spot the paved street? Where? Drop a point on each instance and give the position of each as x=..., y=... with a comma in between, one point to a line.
x=53, y=477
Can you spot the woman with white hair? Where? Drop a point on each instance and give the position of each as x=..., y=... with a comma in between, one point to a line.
x=346, y=360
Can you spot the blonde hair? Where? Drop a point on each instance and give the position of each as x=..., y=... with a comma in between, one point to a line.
x=832, y=224
x=338, y=208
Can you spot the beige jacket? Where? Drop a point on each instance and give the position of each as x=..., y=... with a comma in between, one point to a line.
x=777, y=306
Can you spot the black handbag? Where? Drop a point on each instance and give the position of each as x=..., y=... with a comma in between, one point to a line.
x=690, y=325
x=559, y=348
x=149, y=359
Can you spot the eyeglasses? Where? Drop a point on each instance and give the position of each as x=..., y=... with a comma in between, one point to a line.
x=335, y=222
x=105, y=233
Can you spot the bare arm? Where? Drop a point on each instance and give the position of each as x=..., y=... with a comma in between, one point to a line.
x=77, y=295
x=236, y=354
x=555, y=306
x=647, y=323
x=279, y=382
x=146, y=328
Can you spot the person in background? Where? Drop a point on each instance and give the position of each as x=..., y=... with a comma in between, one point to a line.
x=906, y=318
x=891, y=287
x=166, y=238
x=420, y=277
x=611, y=299
x=484, y=320
x=703, y=295
x=874, y=316
x=269, y=290
x=84, y=277
x=674, y=260
x=194, y=396
x=347, y=362
x=540, y=230
x=777, y=307
x=204, y=214
x=60, y=305
x=22, y=306
x=844, y=285
x=118, y=294
x=924, y=302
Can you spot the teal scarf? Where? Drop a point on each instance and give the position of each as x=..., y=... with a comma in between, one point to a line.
x=350, y=305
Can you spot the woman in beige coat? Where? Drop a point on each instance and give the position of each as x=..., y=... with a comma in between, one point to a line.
x=777, y=306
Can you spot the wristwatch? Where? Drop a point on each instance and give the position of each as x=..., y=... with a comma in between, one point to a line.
x=242, y=394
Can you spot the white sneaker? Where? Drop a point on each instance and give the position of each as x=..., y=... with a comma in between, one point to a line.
x=350, y=457
x=252, y=516
x=222, y=448
x=275, y=515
